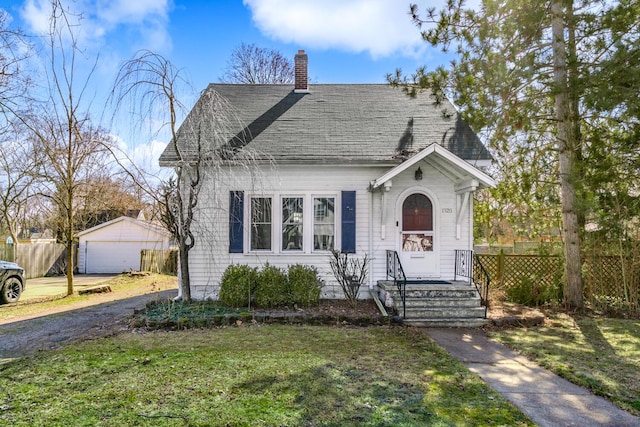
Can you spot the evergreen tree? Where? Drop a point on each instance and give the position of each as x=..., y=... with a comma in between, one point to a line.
x=532, y=78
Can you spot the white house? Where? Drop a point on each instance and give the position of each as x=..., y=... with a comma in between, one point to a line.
x=360, y=168
x=115, y=246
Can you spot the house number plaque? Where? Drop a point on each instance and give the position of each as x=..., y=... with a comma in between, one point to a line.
x=447, y=210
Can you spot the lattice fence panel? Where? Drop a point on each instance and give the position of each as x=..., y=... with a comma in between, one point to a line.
x=508, y=270
x=545, y=270
x=489, y=263
x=612, y=283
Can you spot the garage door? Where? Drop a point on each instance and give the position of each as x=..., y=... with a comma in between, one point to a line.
x=115, y=257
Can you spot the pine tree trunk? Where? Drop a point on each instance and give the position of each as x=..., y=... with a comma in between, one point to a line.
x=567, y=154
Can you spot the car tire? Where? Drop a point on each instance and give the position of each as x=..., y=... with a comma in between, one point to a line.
x=11, y=291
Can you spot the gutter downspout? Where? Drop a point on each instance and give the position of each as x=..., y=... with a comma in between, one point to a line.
x=371, y=237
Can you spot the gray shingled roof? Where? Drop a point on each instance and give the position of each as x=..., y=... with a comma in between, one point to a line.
x=340, y=123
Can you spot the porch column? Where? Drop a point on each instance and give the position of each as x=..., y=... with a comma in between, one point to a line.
x=463, y=194
x=383, y=210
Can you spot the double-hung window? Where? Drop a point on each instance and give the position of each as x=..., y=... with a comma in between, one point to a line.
x=261, y=223
x=284, y=223
x=292, y=223
x=323, y=223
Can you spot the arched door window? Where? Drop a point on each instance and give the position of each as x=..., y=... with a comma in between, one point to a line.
x=417, y=224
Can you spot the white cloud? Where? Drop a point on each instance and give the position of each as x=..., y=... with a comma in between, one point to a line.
x=146, y=19
x=143, y=156
x=379, y=27
x=36, y=14
x=119, y=11
x=146, y=156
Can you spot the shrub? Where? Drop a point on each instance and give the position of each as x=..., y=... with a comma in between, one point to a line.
x=273, y=289
x=350, y=273
x=304, y=285
x=238, y=285
x=532, y=291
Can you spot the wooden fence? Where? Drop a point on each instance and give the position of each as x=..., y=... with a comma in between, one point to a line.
x=611, y=283
x=42, y=259
x=37, y=259
x=159, y=261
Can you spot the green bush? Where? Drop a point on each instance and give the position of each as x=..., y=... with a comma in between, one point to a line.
x=273, y=289
x=532, y=291
x=304, y=285
x=238, y=285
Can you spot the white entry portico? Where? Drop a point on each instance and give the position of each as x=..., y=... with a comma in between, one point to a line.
x=426, y=211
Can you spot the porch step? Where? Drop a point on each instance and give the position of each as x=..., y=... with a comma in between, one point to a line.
x=441, y=292
x=436, y=312
x=446, y=323
x=456, y=304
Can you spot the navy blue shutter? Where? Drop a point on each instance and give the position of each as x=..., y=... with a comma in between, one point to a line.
x=236, y=219
x=349, y=222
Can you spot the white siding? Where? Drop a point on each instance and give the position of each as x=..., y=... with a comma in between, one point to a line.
x=210, y=255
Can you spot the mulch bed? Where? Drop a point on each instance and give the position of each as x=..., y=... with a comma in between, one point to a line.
x=338, y=312
x=363, y=313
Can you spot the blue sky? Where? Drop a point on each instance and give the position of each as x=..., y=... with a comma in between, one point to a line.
x=348, y=41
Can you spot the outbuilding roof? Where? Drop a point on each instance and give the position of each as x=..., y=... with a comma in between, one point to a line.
x=153, y=227
x=334, y=124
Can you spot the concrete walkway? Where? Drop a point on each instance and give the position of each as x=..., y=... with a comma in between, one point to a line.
x=547, y=399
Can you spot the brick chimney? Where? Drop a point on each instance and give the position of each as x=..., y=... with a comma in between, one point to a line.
x=301, y=62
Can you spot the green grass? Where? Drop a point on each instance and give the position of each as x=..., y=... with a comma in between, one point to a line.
x=601, y=354
x=251, y=376
x=122, y=286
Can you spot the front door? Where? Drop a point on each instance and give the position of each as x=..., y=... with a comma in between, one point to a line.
x=418, y=245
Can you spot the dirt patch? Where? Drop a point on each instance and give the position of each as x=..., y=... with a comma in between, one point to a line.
x=504, y=314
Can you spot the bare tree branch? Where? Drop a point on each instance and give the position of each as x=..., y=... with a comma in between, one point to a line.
x=250, y=64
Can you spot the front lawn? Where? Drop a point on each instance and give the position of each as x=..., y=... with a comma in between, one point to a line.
x=252, y=376
x=600, y=354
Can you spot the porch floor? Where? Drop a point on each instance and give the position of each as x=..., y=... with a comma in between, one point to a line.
x=430, y=284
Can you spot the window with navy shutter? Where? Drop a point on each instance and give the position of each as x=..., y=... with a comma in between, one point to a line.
x=349, y=222
x=236, y=218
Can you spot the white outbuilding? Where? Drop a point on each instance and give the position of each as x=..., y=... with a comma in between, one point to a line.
x=115, y=246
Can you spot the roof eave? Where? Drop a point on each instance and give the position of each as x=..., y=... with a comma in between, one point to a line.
x=484, y=180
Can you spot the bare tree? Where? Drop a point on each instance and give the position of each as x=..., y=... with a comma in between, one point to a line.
x=18, y=161
x=15, y=81
x=16, y=157
x=250, y=64
x=150, y=83
x=71, y=145
x=107, y=196
x=205, y=145
x=70, y=160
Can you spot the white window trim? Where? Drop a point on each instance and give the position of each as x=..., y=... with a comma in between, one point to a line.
x=305, y=208
x=307, y=222
x=249, y=227
x=337, y=221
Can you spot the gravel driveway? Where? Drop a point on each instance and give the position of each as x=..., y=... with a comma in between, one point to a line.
x=24, y=337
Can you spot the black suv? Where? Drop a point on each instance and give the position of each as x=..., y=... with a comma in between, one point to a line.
x=12, y=282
